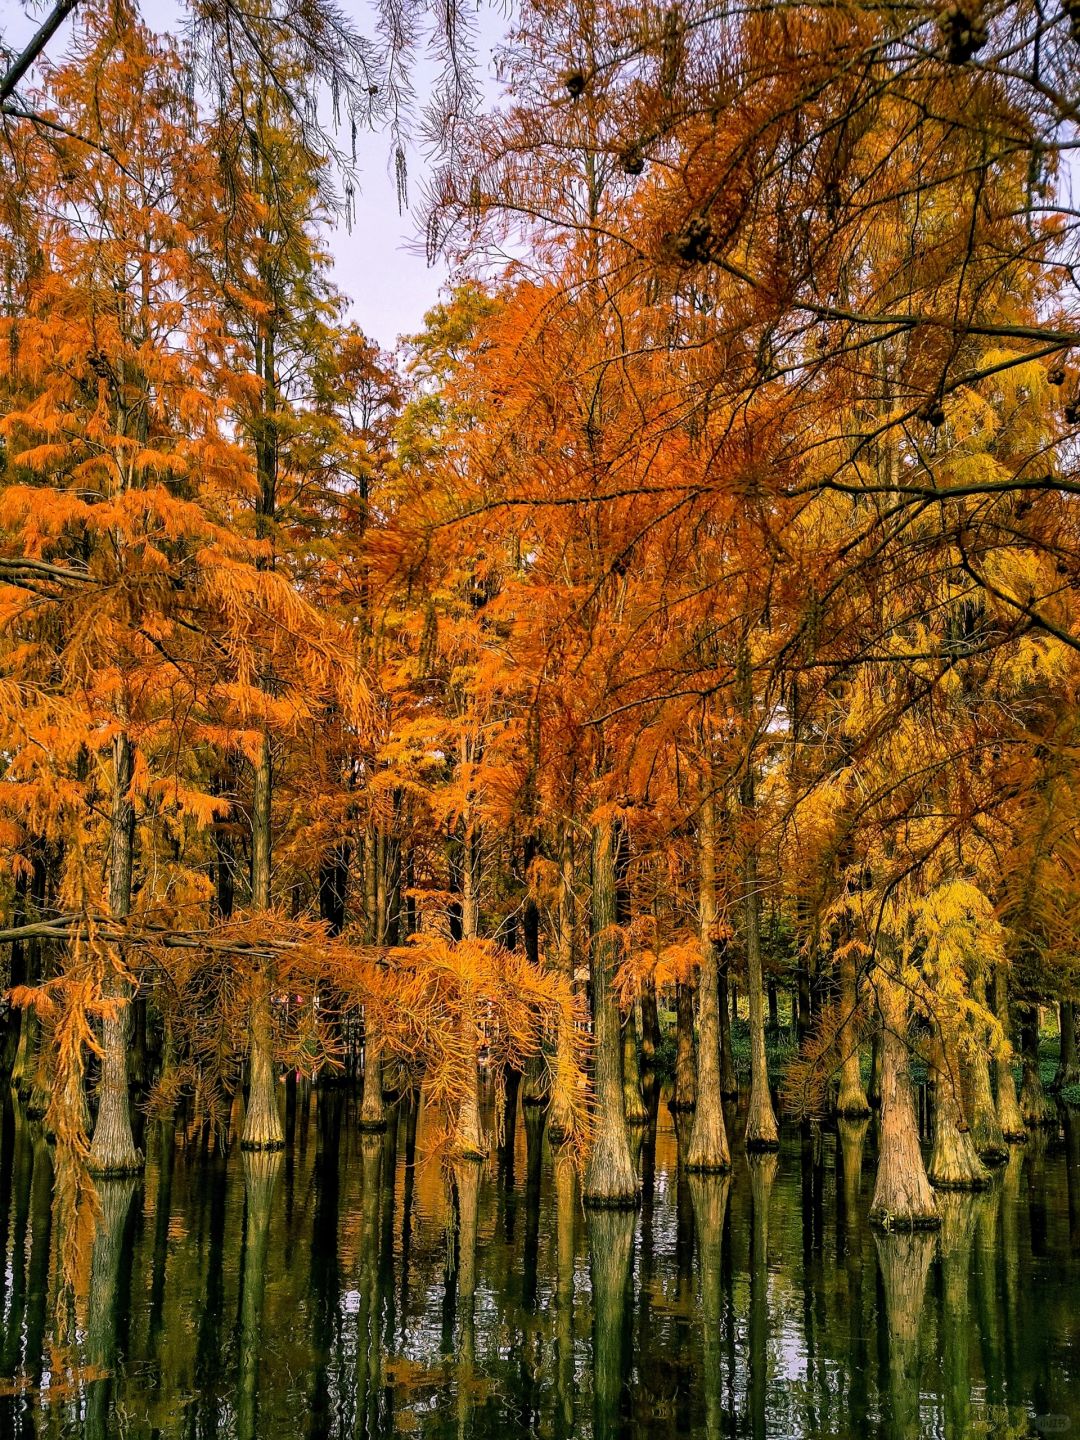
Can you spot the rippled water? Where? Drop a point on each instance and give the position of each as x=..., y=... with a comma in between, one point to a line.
x=333, y=1292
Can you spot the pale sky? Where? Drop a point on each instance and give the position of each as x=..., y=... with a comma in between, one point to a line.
x=379, y=266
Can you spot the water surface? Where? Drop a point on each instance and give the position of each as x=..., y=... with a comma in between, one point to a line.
x=333, y=1292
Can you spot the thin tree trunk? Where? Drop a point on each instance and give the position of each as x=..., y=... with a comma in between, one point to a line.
x=1035, y=1106
x=1008, y=1106
x=469, y=1140
x=609, y=1175
x=633, y=1103
x=851, y=1103
x=112, y=1149
x=561, y=1116
x=263, y=1129
x=1068, y=1071
x=762, y=1131
x=708, y=1150
x=685, y=1097
x=729, y=1082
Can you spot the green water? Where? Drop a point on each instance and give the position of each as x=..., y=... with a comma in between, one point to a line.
x=333, y=1291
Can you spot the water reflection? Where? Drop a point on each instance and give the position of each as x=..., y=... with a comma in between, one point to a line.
x=354, y=1287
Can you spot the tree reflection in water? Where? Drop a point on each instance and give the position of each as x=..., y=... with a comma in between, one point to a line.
x=357, y=1286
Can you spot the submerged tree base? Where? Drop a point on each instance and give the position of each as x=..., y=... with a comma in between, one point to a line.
x=612, y=1202
x=904, y=1223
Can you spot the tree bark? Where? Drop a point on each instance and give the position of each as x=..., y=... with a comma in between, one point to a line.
x=851, y=1103
x=708, y=1150
x=112, y=1149
x=1035, y=1105
x=609, y=1175
x=903, y=1199
x=1008, y=1106
x=263, y=1129
x=633, y=1102
x=685, y=1096
x=729, y=1083
x=469, y=1139
x=561, y=1115
x=954, y=1163
x=762, y=1131
x=1068, y=1070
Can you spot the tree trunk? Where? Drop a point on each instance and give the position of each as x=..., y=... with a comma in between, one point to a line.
x=633, y=1103
x=1008, y=1106
x=903, y=1199
x=263, y=1129
x=729, y=1083
x=1068, y=1071
x=685, y=1097
x=851, y=1103
x=990, y=1143
x=762, y=1131
x=708, y=1150
x=650, y=1029
x=986, y=1133
x=609, y=1175
x=563, y=1097
x=873, y=1094
x=469, y=1139
x=954, y=1163
x=1035, y=1106
x=112, y=1150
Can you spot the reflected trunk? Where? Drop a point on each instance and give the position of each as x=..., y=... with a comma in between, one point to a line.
x=110, y=1274
x=763, y=1169
x=261, y=1171
x=611, y=1244
x=709, y=1194
x=904, y=1259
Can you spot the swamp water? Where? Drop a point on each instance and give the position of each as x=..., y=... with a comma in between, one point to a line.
x=336, y=1291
